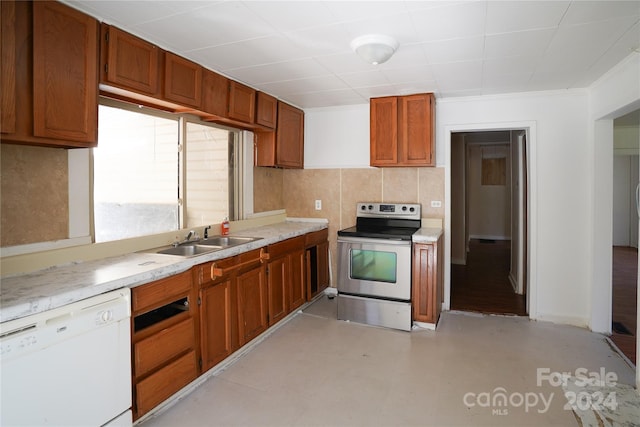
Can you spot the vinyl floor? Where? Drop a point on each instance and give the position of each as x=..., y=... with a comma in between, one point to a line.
x=319, y=371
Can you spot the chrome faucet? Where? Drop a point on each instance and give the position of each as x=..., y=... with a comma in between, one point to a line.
x=187, y=239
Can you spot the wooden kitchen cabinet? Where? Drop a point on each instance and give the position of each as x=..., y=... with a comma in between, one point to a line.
x=129, y=63
x=165, y=345
x=317, y=262
x=402, y=130
x=242, y=102
x=266, y=110
x=43, y=102
x=182, y=81
x=427, y=286
x=215, y=93
x=285, y=278
x=252, y=303
x=284, y=147
x=218, y=313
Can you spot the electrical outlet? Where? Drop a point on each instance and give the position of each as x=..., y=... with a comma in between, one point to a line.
x=436, y=204
x=318, y=205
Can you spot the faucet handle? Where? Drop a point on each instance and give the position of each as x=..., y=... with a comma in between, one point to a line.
x=206, y=231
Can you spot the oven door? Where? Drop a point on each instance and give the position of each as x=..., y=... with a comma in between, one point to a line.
x=374, y=267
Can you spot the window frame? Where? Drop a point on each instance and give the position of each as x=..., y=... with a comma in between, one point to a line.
x=234, y=206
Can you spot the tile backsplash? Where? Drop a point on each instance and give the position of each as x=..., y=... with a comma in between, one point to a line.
x=340, y=190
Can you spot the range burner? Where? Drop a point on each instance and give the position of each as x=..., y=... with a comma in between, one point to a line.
x=395, y=221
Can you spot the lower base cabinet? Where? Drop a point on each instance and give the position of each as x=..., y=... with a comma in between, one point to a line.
x=186, y=324
x=317, y=262
x=252, y=304
x=427, y=286
x=165, y=350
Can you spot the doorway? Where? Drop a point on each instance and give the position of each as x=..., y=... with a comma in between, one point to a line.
x=489, y=222
x=625, y=234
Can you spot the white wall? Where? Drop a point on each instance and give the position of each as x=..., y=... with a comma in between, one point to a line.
x=336, y=137
x=625, y=178
x=559, y=167
x=613, y=95
x=489, y=205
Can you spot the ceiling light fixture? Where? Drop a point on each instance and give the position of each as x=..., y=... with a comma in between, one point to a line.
x=374, y=48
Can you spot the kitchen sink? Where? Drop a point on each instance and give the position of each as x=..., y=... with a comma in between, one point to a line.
x=205, y=246
x=188, y=250
x=226, y=241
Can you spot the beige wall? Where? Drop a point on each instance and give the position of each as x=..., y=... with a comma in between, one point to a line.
x=34, y=194
x=267, y=189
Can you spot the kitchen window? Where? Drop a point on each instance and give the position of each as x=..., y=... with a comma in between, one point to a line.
x=156, y=172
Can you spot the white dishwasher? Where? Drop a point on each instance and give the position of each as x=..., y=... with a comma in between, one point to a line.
x=70, y=366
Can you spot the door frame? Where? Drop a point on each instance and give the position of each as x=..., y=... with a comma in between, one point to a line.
x=531, y=227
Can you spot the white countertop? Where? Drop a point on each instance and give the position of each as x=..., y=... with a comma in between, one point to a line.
x=43, y=290
x=426, y=235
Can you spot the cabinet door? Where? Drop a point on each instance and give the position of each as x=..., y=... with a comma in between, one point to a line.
x=415, y=131
x=290, y=137
x=297, y=285
x=278, y=278
x=384, y=131
x=217, y=318
x=424, y=298
x=242, y=102
x=215, y=93
x=323, y=266
x=252, y=304
x=8, y=66
x=65, y=74
x=129, y=62
x=182, y=80
x=266, y=110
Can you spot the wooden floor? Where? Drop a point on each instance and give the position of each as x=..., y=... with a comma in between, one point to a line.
x=625, y=287
x=483, y=284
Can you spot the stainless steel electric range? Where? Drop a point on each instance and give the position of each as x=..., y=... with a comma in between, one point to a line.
x=374, y=265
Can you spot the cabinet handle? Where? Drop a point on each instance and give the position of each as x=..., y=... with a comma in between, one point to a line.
x=219, y=272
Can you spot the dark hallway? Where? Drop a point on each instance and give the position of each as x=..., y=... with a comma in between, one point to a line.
x=483, y=284
x=625, y=279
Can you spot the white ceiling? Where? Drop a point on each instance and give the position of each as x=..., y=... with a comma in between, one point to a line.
x=299, y=51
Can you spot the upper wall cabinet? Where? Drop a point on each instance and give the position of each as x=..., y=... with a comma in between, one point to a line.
x=266, y=110
x=45, y=103
x=284, y=147
x=128, y=62
x=182, y=80
x=215, y=93
x=403, y=130
x=242, y=102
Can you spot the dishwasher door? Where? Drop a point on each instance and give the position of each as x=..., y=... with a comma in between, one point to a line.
x=70, y=366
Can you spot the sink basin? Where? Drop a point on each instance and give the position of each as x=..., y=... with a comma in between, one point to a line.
x=226, y=241
x=189, y=250
x=205, y=246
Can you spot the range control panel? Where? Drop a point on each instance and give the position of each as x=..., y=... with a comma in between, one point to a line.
x=389, y=210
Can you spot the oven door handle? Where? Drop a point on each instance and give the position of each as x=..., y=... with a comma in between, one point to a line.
x=395, y=242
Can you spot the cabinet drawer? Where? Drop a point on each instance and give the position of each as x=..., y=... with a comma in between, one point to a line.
x=152, y=295
x=161, y=385
x=282, y=248
x=166, y=344
x=316, y=237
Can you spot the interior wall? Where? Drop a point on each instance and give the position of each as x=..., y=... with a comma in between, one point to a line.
x=489, y=205
x=34, y=194
x=625, y=179
x=560, y=220
x=517, y=219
